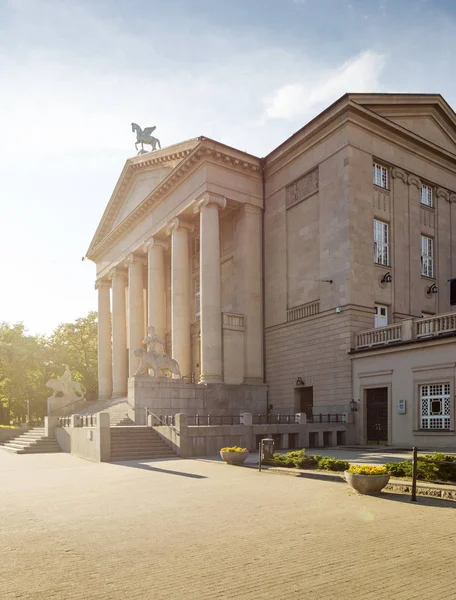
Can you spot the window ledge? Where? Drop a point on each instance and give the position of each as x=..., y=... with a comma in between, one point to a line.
x=428, y=278
x=382, y=265
x=379, y=187
x=439, y=432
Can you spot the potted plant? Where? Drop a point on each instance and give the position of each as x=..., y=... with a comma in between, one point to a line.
x=367, y=479
x=234, y=455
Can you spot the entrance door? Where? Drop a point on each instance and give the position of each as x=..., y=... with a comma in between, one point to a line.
x=381, y=315
x=306, y=401
x=377, y=415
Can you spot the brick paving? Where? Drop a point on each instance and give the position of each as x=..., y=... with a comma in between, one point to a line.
x=189, y=529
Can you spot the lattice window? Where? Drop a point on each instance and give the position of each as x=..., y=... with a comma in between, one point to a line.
x=381, y=249
x=435, y=406
x=197, y=299
x=380, y=176
x=426, y=195
x=427, y=256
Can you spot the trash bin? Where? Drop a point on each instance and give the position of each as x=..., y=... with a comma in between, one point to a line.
x=267, y=448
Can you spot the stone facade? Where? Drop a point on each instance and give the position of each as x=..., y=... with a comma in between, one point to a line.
x=263, y=271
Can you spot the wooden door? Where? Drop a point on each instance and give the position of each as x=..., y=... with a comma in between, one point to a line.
x=377, y=415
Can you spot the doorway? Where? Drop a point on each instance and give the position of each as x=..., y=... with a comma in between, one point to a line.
x=377, y=415
x=305, y=401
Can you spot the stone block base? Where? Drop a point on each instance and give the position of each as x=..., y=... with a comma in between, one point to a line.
x=165, y=396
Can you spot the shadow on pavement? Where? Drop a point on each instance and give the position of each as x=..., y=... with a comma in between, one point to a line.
x=146, y=467
x=421, y=500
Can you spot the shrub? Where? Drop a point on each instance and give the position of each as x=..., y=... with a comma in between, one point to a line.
x=333, y=464
x=427, y=471
x=367, y=470
x=233, y=449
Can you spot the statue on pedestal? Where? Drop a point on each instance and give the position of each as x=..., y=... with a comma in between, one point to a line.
x=151, y=359
x=144, y=136
x=71, y=390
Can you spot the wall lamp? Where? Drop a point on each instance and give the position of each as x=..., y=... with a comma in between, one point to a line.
x=387, y=278
x=433, y=289
x=299, y=381
x=353, y=406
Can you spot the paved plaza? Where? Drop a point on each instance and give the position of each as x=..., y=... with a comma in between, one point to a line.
x=191, y=529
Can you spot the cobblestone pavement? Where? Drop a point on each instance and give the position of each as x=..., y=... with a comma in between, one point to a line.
x=188, y=529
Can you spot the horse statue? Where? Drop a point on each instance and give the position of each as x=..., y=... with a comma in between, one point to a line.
x=157, y=362
x=70, y=390
x=143, y=136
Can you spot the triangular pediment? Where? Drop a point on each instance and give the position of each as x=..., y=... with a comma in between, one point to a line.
x=427, y=116
x=140, y=176
x=141, y=186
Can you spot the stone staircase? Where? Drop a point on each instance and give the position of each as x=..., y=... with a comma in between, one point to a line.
x=117, y=409
x=32, y=442
x=138, y=442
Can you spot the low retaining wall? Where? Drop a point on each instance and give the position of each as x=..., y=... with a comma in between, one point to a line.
x=8, y=434
x=191, y=440
x=91, y=443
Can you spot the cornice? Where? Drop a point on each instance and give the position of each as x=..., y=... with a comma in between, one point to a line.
x=205, y=150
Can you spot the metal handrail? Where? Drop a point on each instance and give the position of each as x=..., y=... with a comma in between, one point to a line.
x=67, y=405
x=148, y=411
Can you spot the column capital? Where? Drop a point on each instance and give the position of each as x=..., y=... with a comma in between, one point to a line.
x=102, y=282
x=442, y=193
x=117, y=272
x=154, y=242
x=177, y=223
x=413, y=180
x=134, y=258
x=208, y=198
x=399, y=174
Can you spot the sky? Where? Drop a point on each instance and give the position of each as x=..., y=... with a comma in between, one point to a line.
x=75, y=73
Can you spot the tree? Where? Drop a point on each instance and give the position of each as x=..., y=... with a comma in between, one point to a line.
x=27, y=362
x=75, y=344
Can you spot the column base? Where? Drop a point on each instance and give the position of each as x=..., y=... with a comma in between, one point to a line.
x=211, y=379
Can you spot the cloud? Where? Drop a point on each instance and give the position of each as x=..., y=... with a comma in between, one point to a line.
x=359, y=74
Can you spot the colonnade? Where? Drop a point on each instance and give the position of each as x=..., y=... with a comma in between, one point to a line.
x=127, y=283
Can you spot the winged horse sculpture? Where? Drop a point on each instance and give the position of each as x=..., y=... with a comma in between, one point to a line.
x=143, y=136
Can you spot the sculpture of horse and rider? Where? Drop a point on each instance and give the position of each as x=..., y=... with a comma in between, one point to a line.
x=159, y=362
x=70, y=390
x=143, y=136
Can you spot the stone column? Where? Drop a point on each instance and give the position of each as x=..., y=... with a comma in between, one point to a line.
x=250, y=269
x=208, y=206
x=135, y=309
x=180, y=293
x=156, y=282
x=119, y=333
x=104, y=339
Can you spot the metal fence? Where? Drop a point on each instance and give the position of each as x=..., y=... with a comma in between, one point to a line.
x=82, y=421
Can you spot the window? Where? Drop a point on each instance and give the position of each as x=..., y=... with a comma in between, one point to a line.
x=427, y=256
x=197, y=299
x=435, y=406
x=381, y=315
x=381, y=243
x=426, y=195
x=380, y=176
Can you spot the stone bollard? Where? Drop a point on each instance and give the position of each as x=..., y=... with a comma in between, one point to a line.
x=104, y=436
x=50, y=424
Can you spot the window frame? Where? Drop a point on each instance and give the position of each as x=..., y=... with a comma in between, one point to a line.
x=445, y=417
x=381, y=181
x=426, y=258
x=381, y=306
x=380, y=246
x=430, y=195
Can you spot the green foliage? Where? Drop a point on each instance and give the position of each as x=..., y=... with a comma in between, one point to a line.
x=427, y=471
x=27, y=362
x=333, y=464
x=298, y=459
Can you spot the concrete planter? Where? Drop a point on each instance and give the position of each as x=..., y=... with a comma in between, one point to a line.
x=367, y=484
x=234, y=458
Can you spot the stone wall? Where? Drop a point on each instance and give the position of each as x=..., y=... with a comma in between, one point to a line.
x=8, y=434
x=91, y=443
x=170, y=396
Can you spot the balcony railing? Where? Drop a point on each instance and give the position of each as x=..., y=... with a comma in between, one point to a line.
x=407, y=330
x=233, y=320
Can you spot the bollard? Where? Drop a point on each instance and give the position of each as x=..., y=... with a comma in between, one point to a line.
x=414, y=473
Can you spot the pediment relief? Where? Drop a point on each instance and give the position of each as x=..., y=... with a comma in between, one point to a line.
x=141, y=186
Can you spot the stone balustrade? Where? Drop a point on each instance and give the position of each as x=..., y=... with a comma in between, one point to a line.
x=406, y=330
x=233, y=320
x=303, y=311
